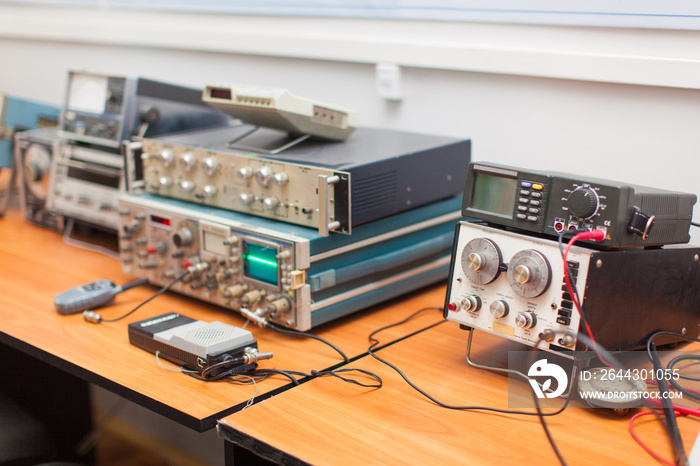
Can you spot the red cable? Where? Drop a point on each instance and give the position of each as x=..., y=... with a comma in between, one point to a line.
x=596, y=235
x=646, y=448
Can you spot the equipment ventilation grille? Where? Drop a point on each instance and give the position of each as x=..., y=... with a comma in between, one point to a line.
x=375, y=191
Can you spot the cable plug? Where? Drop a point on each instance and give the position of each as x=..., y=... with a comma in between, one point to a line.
x=595, y=235
x=252, y=355
x=92, y=316
x=257, y=319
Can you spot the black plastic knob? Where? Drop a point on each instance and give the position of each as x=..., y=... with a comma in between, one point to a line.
x=583, y=203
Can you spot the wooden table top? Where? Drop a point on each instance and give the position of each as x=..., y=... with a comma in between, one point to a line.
x=37, y=265
x=330, y=422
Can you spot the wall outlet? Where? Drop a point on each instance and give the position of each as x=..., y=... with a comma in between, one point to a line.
x=388, y=78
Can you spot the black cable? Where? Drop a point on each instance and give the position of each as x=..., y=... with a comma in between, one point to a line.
x=538, y=412
x=307, y=335
x=669, y=413
x=695, y=224
x=674, y=382
x=431, y=398
x=96, y=318
x=269, y=372
x=335, y=373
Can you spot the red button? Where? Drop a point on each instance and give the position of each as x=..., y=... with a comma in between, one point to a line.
x=451, y=306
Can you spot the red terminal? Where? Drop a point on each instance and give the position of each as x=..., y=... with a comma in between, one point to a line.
x=451, y=307
x=186, y=264
x=151, y=250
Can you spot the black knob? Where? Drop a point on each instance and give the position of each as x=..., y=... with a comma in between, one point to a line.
x=583, y=202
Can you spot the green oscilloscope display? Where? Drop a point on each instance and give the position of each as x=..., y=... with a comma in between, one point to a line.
x=260, y=263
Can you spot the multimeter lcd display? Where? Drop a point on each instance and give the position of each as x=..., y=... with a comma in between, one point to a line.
x=260, y=263
x=494, y=194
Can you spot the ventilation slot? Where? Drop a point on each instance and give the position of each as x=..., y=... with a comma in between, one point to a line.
x=376, y=191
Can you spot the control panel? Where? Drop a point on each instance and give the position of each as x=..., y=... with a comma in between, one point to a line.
x=550, y=203
x=246, y=267
x=85, y=183
x=513, y=285
x=95, y=107
x=234, y=180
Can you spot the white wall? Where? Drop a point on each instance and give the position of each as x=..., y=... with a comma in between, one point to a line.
x=633, y=133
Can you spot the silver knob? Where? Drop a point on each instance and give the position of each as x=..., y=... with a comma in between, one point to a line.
x=264, y=175
x=166, y=157
x=165, y=181
x=475, y=261
x=208, y=191
x=247, y=198
x=526, y=320
x=161, y=247
x=183, y=237
x=471, y=303
x=499, y=309
x=187, y=186
x=280, y=179
x=271, y=203
x=521, y=274
x=245, y=173
x=188, y=161
x=210, y=165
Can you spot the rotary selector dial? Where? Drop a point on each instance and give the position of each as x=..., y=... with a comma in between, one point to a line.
x=186, y=235
x=188, y=161
x=529, y=273
x=526, y=320
x=481, y=260
x=210, y=165
x=583, y=202
x=471, y=304
x=264, y=175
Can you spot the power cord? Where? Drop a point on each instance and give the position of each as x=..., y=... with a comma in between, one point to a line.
x=264, y=322
x=541, y=415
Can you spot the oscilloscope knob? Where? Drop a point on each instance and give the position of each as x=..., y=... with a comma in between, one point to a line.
x=210, y=165
x=183, y=237
x=583, y=202
x=165, y=181
x=187, y=186
x=188, y=161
